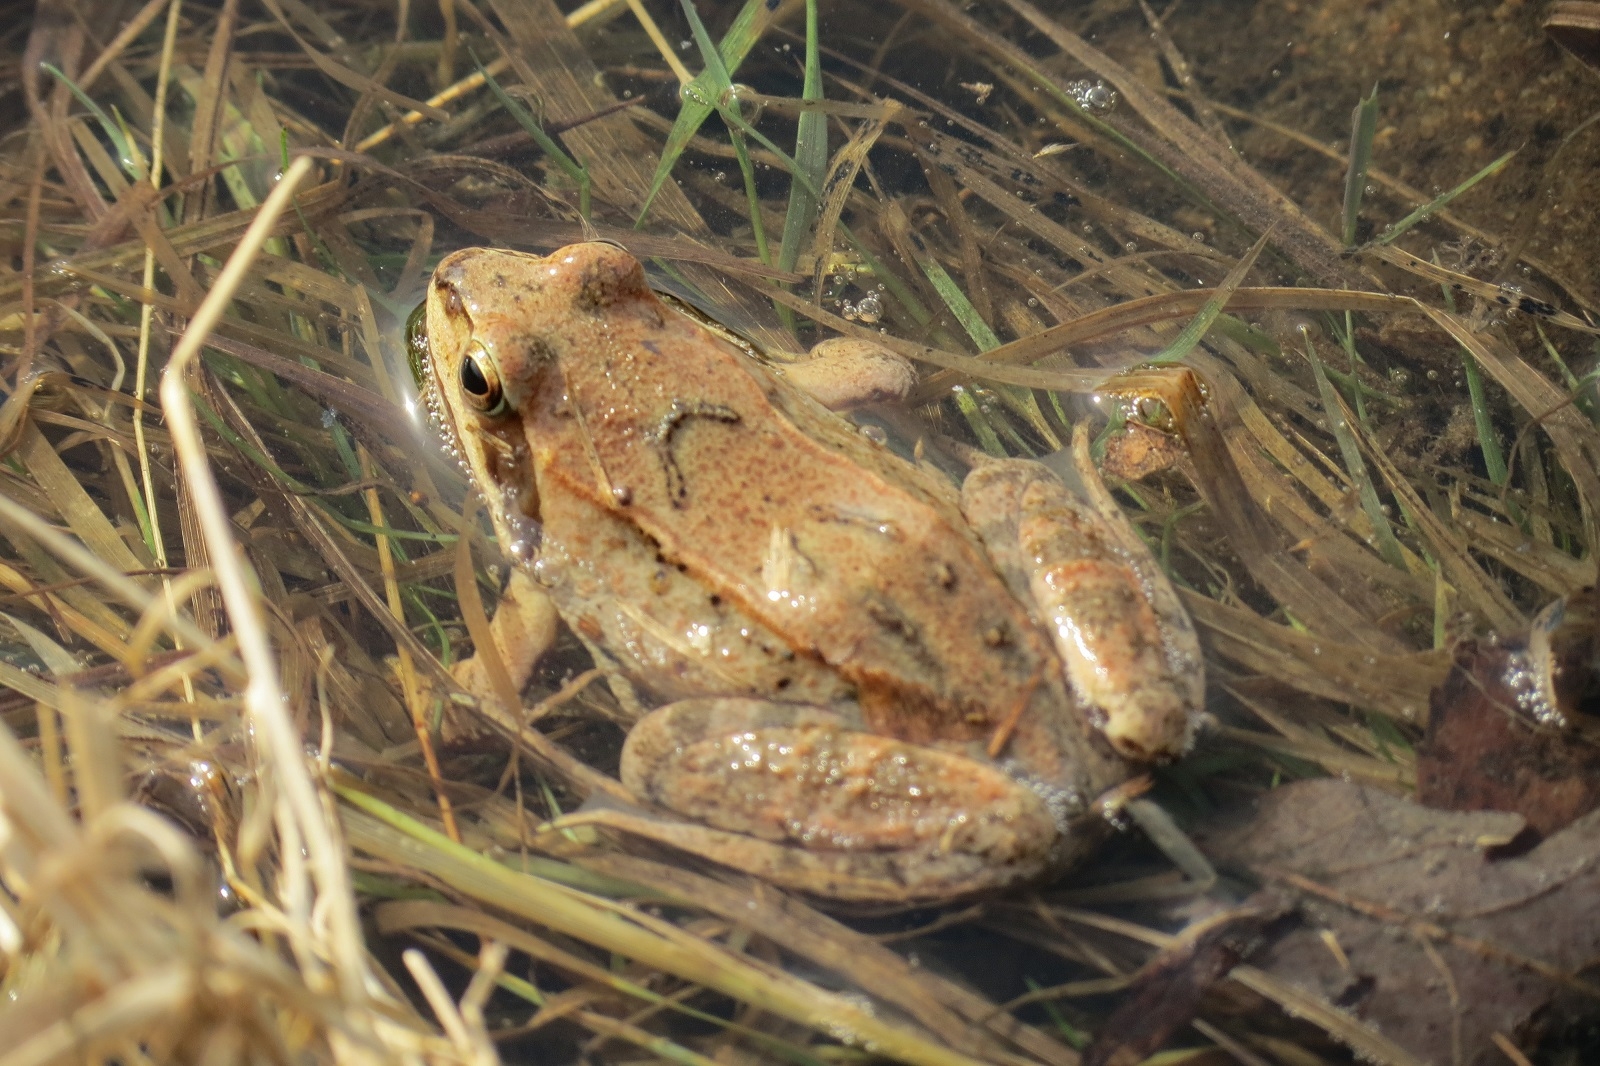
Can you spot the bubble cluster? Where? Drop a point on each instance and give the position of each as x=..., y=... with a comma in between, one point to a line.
x=1095, y=97
x=869, y=310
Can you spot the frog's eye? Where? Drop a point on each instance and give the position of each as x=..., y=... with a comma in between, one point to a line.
x=480, y=382
x=417, y=345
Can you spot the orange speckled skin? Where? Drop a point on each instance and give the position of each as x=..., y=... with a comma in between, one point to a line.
x=717, y=533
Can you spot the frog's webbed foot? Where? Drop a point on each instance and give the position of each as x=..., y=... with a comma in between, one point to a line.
x=793, y=795
x=844, y=373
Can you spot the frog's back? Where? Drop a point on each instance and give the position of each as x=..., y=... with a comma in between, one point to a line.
x=770, y=505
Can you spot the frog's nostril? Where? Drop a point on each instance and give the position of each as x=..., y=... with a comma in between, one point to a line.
x=449, y=295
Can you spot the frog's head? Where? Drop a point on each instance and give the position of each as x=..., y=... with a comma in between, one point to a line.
x=486, y=348
x=480, y=352
x=494, y=321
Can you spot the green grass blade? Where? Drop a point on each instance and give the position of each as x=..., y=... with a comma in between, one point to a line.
x=982, y=336
x=721, y=83
x=547, y=144
x=1019, y=400
x=125, y=152
x=726, y=102
x=1348, y=338
x=1201, y=323
x=716, y=75
x=1363, y=124
x=692, y=114
x=1561, y=364
x=1493, y=461
x=1585, y=389
x=1354, y=465
x=752, y=195
x=810, y=153
x=959, y=305
x=1442, y=201
x=973, y=412
x=697, y=99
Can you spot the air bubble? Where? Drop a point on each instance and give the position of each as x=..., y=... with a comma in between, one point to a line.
x=1095, y=97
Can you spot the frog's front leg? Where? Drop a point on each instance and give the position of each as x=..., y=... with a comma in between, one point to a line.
x=523, y=627
x=844, y=373
x=794, y=795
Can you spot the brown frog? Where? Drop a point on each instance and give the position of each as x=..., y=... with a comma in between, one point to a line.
x=858, y=694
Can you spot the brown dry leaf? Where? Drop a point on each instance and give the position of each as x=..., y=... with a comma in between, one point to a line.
x=1483, y=751
x=1413, y=928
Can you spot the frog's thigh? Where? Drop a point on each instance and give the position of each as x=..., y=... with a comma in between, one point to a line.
x=844, y=373
x=791, y=794
x=1135, y=669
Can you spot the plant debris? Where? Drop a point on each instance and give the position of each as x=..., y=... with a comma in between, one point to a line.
x=1412, y=926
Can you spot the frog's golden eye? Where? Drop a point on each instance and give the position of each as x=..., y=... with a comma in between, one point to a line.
x=480, y=382
x=417, y=345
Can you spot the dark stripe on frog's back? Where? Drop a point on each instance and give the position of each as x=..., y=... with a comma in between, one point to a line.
x=763, y=471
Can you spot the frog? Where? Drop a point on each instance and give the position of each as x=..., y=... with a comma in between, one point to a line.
x=854, y=679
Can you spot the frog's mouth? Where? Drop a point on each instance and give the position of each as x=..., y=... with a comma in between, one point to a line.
x=495, y=447
x=416, y=340
x=419, y=358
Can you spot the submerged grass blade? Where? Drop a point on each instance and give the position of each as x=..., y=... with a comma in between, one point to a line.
x=547, y=144
x=634, y=935
x=1585, y=390
x=982, y=336
x=747, y=170
x=726, y=102
x=696, y=99
x=1363, y=124
x=1338, y=420
x=959, y=305
x=127, y=156
x=810, y=153
x=1020, y=400
x=1441, y=201
x=1494, y=460
x=1196, y=330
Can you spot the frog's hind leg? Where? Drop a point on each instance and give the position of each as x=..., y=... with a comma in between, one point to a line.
x=1130, y=651
x=794, y=795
